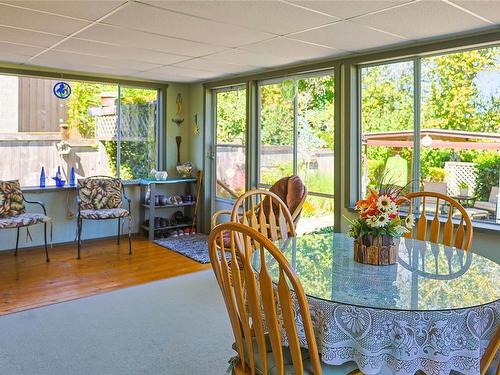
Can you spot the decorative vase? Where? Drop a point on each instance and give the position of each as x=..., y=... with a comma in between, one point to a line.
x=464, y=192
x=375, y=250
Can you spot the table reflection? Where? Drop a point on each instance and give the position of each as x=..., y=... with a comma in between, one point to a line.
x=427, y=276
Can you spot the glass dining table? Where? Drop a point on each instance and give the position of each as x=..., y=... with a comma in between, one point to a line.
x=435, y=310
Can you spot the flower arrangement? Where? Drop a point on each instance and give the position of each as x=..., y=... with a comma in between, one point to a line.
x=379, y=215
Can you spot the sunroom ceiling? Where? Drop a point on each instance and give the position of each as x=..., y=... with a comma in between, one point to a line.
x=190, y=41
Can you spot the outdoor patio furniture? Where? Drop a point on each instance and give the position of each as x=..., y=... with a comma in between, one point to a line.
x=434, y=187
x=100, y=198
x=474, y=213
x=13, y=214
x=491, y=204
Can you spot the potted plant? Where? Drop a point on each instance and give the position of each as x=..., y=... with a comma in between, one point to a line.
x=464, y=188
x=378, y=225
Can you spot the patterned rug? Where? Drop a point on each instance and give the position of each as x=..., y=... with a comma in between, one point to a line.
x=194, y=246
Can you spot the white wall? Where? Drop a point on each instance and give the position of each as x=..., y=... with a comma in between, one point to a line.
x=64, y=228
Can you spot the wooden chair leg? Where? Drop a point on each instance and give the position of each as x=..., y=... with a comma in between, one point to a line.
x=45, y=238
x=17, y=241
x=79, y=232
x=129, y=235
x=119, y=231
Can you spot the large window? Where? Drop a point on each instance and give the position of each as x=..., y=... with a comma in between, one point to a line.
x=231, y=126
x=296, y=127
x=99, y=129
x=454, y=126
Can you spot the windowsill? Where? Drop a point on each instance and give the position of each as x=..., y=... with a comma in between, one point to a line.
x=479, y=225
x=53, y=188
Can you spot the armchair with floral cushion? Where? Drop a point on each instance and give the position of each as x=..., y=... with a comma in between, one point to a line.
x=13, y=213
x=101, y=198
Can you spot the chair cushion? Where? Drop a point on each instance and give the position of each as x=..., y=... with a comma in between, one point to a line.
x=291, y=190
x=100, y=193
x=23, y=220
x=488, y=206
x=109, y=213
x=287, y=360
x=11, y=199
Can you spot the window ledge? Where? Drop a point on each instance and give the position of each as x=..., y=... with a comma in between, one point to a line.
x=53, y=188
x=479, y=225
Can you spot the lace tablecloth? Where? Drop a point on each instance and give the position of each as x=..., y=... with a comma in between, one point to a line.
x=435, y=310
x=435, y=342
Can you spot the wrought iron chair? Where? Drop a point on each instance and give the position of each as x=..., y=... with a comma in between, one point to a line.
x=100, y=198
x=13, y=215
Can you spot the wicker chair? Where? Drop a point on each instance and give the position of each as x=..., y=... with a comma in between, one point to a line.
x=100, y=198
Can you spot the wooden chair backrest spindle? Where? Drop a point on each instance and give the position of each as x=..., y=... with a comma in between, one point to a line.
x=251, y=296
x=265, y=212
x=440, y=231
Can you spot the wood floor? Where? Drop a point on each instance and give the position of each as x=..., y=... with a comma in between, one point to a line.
x=27, y=281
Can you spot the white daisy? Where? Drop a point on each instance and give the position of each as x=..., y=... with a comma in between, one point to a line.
x=409, y=221
x=372, y=221
x=383, y=203
x=383, y=219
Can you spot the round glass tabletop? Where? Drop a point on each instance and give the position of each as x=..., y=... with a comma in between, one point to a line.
x=427, y=276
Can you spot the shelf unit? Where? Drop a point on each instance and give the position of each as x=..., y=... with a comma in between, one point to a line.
x=148, y=210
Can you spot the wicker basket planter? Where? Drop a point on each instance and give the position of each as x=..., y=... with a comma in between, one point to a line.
x=380, y=251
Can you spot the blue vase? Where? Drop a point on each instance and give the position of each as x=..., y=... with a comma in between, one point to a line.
x=42, y=177
x=72, y=177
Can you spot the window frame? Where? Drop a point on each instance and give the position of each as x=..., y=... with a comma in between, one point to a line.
x=417, y=108
x=295, y=78
x=214, y=92
x=161, y=89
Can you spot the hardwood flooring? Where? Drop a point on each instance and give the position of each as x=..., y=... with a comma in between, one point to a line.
x=27, y=281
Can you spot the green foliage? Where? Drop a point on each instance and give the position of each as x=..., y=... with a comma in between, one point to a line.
x=436, y=174
x=487, y=175
x=360, y=228
x=136, y=157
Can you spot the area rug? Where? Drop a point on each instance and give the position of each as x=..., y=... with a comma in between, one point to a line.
x=194, y=246
x=172, y=326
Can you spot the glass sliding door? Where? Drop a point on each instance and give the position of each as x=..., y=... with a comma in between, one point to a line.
x=296, y=127
x=230, y=141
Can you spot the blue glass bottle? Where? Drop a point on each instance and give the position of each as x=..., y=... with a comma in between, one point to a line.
x=72, y=177
x=42, y=177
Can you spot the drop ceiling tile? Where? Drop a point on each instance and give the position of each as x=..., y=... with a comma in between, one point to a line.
x=87, y=9
x=66, y=60
x=270, y=16
x=290, y=49
x=118, y=52
x=82, y=68
x=17, y=53
x=347, y=9
x=19, y=49
x=151, y=19
x=489, y=9
x=423, y=19
x=164, y=76
x=32, y=20
x=139, y=39
x=238, y=56
x=348, y=36
x=181, y=72
x=214, y=66
x=10, y=34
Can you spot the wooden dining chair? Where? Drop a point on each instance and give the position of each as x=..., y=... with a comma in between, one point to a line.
x=490, y=353
x=291, y=191
x=258, y=306
x=441, y=228
x=265, y=212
